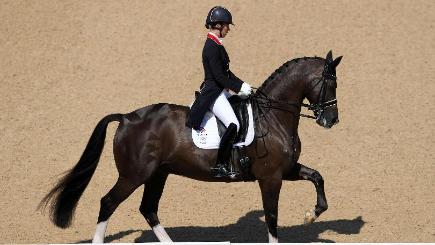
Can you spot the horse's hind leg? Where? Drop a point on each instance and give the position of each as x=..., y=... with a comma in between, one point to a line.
x=122, y=189
x=150, y=204
x=301, y=172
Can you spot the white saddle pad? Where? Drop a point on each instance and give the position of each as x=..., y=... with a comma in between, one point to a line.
x=209, y=138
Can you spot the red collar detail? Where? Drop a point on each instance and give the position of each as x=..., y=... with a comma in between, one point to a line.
x=215, y=39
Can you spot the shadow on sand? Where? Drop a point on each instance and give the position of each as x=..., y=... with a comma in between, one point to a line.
x=249, y=228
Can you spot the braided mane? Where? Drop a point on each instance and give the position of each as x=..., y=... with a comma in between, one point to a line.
x=284, y=68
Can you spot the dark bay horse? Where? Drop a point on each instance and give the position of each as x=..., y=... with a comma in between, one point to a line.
x=152, y=142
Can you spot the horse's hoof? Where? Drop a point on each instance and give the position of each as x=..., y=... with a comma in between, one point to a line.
x=310, y=217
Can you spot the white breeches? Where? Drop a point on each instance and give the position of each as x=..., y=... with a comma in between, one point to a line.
x=223, y=110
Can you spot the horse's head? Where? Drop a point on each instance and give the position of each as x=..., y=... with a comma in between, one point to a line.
x=322, y=95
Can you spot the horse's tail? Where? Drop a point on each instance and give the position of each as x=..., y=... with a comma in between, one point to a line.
x=63, y=198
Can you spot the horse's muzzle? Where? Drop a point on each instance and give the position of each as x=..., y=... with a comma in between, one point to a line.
x=327, y=124
x=328, y=118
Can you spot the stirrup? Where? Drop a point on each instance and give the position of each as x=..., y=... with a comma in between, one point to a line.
x=221, y=171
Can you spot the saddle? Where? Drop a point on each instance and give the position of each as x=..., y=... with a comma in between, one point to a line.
x=214, y=129
x=239, y=161
x=239, y=106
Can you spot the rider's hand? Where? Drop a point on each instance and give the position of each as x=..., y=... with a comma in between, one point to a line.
x=245, y=90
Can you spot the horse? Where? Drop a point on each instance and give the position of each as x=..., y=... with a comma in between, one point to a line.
x=152, y=142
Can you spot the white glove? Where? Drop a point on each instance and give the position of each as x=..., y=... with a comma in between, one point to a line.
x=245, y=90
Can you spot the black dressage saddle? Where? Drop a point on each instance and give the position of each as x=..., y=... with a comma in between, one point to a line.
x=240, y=107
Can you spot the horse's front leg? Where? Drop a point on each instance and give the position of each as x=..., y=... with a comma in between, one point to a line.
x=301, y=172
x=270, y=189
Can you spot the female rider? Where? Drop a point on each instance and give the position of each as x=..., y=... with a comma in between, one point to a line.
x=218, y=85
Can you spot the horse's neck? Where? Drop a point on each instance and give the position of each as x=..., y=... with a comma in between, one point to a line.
x=292, y=93
x=289, y=82
x=288, y=120
x=290, y=90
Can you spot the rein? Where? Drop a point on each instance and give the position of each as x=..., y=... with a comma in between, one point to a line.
x=317, y=108
x=269, y=103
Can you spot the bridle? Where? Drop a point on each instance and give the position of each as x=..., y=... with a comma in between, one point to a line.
x=321, y=104
x=262, y=100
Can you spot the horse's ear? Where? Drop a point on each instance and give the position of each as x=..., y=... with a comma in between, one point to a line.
x=329, y=57
x=336, y=61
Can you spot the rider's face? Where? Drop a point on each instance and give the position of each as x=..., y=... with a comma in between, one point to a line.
x=225, y=29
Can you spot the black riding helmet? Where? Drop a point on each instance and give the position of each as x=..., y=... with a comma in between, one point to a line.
x=218, y=14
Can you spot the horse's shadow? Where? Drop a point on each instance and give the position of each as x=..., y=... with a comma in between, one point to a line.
x=249, y=228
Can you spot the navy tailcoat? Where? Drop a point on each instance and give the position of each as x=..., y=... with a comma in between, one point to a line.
x=217, y=78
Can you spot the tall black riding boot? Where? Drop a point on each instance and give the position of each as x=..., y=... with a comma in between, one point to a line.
x=222, y=163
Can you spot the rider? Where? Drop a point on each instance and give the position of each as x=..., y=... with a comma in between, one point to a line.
x=219, y=83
